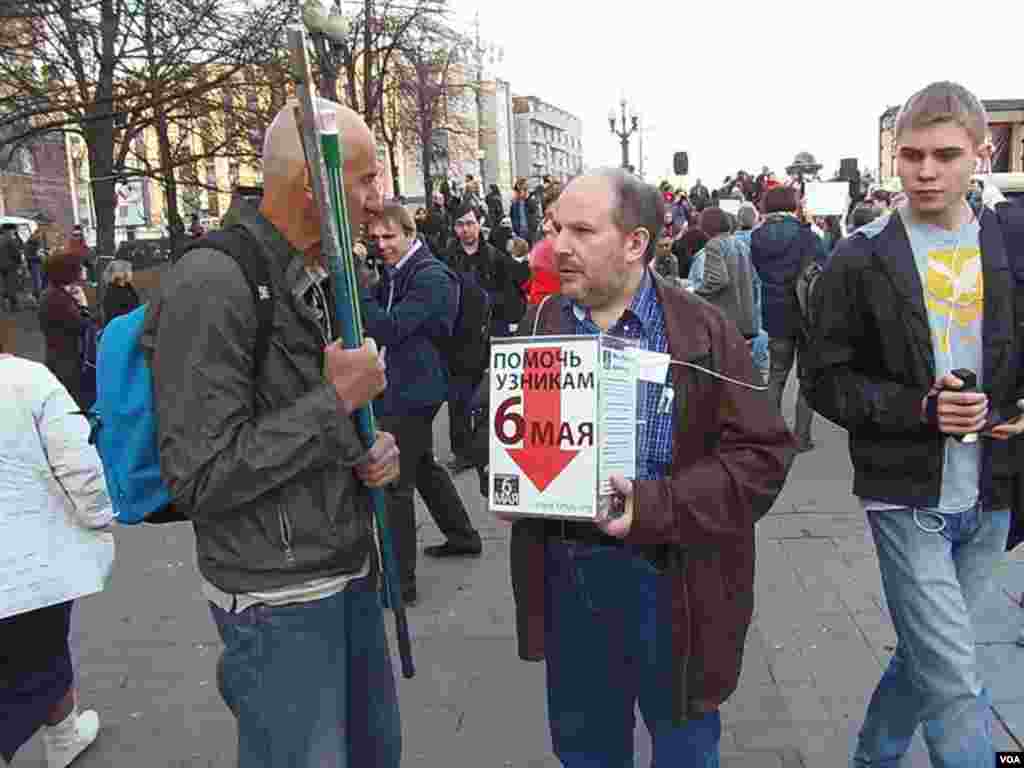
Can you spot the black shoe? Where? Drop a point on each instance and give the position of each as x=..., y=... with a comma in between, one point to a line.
x=409, y=595
x=448, y=549
x=459, y=464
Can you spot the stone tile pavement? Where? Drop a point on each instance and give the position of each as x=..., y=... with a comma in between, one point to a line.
x=821, y=635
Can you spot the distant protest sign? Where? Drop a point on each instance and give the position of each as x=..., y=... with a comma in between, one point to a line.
x=827, y=198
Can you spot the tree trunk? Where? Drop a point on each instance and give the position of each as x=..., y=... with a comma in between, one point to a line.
x=175, y=226
x=99, y=137
x=369, y=108
x=427, y=160
x=396, y=182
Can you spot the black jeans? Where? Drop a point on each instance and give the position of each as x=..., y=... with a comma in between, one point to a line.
x=460, y=393
x=419, y=471
x=783, y=353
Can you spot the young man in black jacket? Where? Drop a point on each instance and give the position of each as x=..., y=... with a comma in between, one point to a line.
x=500, y=276
x=906, y=305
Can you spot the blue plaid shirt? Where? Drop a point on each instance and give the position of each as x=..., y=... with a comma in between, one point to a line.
x=645, y=321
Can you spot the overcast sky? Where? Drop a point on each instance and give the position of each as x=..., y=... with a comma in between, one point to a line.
x=740, y=84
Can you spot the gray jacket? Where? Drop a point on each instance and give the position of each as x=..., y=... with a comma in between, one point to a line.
x=262, y=468
x=729, y=282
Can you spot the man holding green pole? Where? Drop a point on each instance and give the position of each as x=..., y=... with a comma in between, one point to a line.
x=262, y=454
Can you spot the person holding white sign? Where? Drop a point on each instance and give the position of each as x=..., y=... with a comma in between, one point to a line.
x=649, y=605
x=55, y=518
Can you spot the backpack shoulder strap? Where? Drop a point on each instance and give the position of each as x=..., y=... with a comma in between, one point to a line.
x=237, y=243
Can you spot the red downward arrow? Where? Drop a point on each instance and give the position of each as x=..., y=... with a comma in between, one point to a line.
x=539, y=462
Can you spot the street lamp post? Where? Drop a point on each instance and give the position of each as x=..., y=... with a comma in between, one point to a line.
x=329, y=33
x=629, y=123
x=483, y=53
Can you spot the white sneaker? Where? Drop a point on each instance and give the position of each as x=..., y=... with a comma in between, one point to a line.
x=69, y=738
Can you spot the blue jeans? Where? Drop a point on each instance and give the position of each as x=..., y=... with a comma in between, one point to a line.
x=608, y=646
x=311, y=684
x=935, y=569
x=35, y=269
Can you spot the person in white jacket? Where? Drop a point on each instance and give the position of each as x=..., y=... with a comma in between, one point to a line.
x=55, y=545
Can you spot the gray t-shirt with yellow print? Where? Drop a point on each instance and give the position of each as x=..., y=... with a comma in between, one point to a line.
x=949, y=263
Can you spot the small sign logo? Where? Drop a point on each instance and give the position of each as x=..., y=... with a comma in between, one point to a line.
x=263, y=291
x=506, y=490
x=1009, y=758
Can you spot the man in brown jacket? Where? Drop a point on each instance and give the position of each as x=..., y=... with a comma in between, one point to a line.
x=651, y=606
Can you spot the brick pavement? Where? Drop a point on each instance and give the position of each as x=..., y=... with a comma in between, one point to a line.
x=820, y=638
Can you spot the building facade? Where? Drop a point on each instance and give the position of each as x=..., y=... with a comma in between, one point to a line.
x=498, y=165
x=1006, y=126
x=34, y=184
x=548, y=140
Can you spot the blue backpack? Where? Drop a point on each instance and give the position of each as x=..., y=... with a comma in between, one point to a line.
x=124, y=426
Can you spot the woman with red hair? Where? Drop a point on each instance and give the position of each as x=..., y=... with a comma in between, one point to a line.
x=63, y=318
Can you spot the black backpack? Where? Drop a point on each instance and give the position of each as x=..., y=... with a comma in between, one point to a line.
x=465, y=351
x=810, y=271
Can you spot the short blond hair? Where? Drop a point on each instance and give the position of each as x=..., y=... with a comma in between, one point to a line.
x=519, y=247
x=944, y=102
x=397, y=215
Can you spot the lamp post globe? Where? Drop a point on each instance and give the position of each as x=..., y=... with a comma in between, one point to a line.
x=313, y=16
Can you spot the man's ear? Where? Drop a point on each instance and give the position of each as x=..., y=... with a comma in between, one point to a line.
x=636, y=244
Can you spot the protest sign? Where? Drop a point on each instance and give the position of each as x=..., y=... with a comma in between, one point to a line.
x=827, y=198
x=563, y=418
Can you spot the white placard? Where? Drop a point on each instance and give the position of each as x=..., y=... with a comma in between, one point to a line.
x=616, y=407
x=827, y=198
x=556, y=417
x=730, y=205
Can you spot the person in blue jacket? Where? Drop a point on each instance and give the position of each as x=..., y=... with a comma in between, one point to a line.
x=408, y=313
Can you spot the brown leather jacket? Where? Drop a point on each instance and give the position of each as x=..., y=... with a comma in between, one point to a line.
x=732, y=452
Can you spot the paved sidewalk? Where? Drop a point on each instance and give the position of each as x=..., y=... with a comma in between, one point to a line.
x=820, y=638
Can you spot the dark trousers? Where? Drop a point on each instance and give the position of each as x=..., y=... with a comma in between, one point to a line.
x=460, y=394
x=608, y=646
x=9, y=286
x=35, y=671
x=783, y=353
x=419, y=471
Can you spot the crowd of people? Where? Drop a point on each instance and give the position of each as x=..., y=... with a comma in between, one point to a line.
x=267, y=464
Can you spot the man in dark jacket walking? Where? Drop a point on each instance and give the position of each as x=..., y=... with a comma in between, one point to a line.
x=905, y=303
x=621, y=610
x=495, y=271
x=495, y=206
x=437, y=227
x=525, y=212
x=700, y=198
x=500, y=276
x=779, y=249
x=409, y=313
